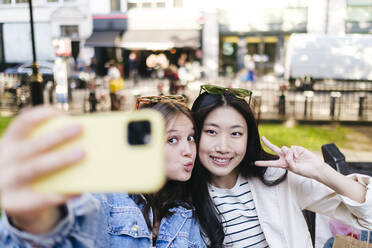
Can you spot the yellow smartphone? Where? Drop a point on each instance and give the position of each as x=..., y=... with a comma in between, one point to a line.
x=124, y=153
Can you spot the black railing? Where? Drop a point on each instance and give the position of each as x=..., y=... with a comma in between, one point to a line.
x=315, y=105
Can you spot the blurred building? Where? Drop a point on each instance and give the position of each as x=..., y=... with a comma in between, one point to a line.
x=261, y=28
x=53, y=19
x=218, y=33
x=109, y=22
x=142, y=28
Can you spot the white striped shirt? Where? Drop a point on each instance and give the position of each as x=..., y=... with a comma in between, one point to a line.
x=239, y=217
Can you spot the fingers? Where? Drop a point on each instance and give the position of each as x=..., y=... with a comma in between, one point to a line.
x=28, y=120
x=271, y=146
x=288, y=155
x=49, y=141
x=271, y=163
x=48, y=163
x=285, y=160
x=297, y=151
x=42, y=165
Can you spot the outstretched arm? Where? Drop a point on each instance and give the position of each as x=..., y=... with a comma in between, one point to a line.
x=303, y=162
x=23, y=159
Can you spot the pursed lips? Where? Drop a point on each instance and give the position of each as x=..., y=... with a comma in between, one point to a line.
x=188, y=166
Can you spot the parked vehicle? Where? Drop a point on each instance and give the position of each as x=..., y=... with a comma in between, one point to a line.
x=77, y=80
x=311, y=58
x=25, y=70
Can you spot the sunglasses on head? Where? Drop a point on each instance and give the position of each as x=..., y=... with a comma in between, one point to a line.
x=148, y=101
x=218, y=90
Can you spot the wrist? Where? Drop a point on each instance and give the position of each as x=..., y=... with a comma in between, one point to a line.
x=39, y=222
x=325, y=173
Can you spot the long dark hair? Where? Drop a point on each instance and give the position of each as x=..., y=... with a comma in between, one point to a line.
x=206, y=211
x=173, y=193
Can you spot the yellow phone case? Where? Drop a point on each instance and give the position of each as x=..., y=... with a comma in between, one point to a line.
x=111, y=164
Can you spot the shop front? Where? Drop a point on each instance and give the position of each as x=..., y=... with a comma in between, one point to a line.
x=105, y=39
x=236, y=50
x=154, y=50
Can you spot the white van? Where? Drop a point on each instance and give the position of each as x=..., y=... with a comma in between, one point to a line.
x=312, y=58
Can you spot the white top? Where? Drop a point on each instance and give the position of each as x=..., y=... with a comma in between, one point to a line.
x=279, y=208
x=113, y=73
x=238, y=215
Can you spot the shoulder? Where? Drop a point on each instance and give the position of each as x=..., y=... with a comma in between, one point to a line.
x=183, y=211
x=118, y=202
x=182, y=227
x=113, y=198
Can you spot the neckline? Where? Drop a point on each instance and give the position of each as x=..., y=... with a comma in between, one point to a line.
x=237, y=184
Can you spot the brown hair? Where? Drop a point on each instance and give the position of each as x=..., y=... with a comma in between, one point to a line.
x=174, y=193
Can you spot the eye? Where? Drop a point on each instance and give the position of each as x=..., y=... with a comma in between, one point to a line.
x=191, y=138
x=237, y=134
x=210, y=131
x=172, y=140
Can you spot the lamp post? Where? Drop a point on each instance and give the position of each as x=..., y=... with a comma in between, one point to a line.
x=36, y=80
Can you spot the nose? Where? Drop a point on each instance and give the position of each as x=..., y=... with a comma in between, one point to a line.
x=222, y=144
x=187, y=149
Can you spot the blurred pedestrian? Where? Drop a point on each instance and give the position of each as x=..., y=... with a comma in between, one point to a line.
x=172, y=74
x=92, y=99
x=133, y=73
x=251, y=67
x=116, y=83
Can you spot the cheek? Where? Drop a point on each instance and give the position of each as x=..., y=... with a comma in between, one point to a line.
x=203, y=147
x=194, y=152
x=203, y=143
x=203, y=154
x=169, y=155
x=242, y=146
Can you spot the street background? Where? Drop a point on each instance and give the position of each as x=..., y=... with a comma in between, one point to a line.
x=307, y=62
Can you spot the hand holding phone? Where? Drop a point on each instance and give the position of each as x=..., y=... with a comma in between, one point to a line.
x=124, y=153
x=24, y=158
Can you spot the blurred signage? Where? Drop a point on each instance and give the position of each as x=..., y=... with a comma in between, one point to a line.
x=38, y=2
x=110, y=22
x=62, y=47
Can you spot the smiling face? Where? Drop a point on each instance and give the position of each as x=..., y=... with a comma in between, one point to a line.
x=223, y=145
x=180, y=148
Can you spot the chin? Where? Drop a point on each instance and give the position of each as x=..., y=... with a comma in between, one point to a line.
x=181, y=178
x=221, y=173
x=185, y=178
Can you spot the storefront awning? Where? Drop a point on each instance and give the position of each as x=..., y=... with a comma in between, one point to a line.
x=160, y=39
x=103, y=39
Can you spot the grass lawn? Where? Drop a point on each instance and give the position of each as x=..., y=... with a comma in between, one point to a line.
x=4, y=122
x=310, y=137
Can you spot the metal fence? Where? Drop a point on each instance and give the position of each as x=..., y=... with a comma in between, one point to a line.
x=315, y=105
x=338, y=101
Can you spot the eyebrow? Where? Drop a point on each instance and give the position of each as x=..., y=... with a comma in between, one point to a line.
x=215, y=125
x=176, y=130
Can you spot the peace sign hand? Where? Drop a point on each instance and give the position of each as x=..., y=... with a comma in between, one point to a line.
x=297, y=159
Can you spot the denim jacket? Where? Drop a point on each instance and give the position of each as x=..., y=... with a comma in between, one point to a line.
x=107, y=220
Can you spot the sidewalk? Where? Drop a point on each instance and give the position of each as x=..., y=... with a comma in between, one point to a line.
x=353, y=155
x=357, y=156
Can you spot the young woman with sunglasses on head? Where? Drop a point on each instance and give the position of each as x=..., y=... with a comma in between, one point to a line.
x=246, y=197
x=163, y=219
